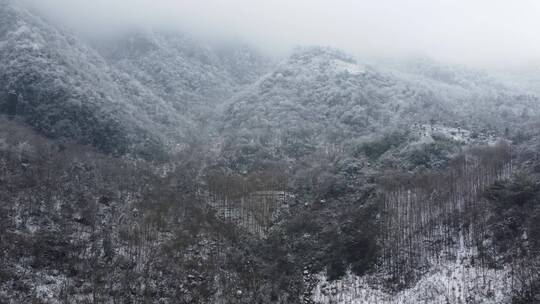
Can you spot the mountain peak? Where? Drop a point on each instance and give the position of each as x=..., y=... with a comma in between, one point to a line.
x=317, y=60
x=308, y=53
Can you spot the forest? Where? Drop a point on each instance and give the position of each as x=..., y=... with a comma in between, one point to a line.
x=155, y=166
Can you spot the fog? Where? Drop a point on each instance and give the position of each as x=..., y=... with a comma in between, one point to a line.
x=486, y=33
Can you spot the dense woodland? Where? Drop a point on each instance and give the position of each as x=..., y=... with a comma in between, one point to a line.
x=98, y=228
x=152, y=168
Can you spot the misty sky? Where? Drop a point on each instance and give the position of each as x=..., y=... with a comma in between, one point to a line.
x=476, y=32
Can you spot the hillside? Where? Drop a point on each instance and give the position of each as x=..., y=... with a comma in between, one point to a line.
x=141, y=94
x=321, y=98
x=192, y=77
x=148, y=166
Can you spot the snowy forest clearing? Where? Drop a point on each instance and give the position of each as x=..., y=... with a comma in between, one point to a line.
x=431, y=227
x=428, y=132
x=446, y=283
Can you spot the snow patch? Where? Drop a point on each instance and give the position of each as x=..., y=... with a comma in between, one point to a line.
x=351, y=68
x=447, y=283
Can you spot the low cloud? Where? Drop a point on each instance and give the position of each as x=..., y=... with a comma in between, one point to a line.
x=474, y=32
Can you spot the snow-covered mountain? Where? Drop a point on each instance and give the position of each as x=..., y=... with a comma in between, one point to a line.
x=190, y=76
x=139, y=93
x=151, y=166
x=321, y=97
x=145, y=90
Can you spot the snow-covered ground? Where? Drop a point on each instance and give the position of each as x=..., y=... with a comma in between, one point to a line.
x=449, y=282
x=351, y=68
x=427, y=133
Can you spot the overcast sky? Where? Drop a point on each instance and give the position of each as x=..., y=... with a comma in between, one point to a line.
x=476, y=32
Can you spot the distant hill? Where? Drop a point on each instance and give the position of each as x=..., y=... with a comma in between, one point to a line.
x=141, y=94
x=321, y=97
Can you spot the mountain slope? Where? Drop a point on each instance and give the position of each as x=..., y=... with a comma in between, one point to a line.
x=190, y=76
x=317, y=179
x=320, y=98
x=142, y=93
x=63, y=88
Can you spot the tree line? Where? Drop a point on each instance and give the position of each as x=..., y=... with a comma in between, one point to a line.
x=436, y=213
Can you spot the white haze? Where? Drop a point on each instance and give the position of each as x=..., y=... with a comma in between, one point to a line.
x=485, y=33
